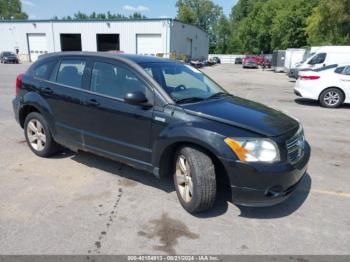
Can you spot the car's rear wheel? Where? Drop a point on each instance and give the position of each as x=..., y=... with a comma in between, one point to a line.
x=332, y=98
x=38, y=135
x=194, y=179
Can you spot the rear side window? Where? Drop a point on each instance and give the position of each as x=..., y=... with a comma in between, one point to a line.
x=43, y=71
x=318, y=59
x=339, y=70
x=114, y=81
x=70, y=72
x=347, y=71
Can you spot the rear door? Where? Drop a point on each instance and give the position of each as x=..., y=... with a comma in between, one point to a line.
x=113, y=127
x=65, y=92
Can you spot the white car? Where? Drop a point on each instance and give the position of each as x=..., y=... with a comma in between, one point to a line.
x=329, y=85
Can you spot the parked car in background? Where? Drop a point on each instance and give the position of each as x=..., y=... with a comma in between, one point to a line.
x=8, y=57
x=324, y=56
x=197, y=63
x=250, y=64
x=164, y=117
x=250, y=58
x=329, y=85
x=238, y=61
x=266, y=60
x=216, y=60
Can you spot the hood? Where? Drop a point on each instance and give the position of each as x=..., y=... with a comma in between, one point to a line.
x=245, y=114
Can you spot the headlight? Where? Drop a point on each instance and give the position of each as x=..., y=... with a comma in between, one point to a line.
x=254, y=149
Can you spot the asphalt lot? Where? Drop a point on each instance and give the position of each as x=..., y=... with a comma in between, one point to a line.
x=84, y=204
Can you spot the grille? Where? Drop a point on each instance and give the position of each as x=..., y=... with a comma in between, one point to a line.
x=295, y=147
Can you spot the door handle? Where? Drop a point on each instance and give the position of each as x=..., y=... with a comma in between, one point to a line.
x=47, y=90
x=92, y=102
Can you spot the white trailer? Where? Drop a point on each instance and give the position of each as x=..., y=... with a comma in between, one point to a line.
x=293, y=57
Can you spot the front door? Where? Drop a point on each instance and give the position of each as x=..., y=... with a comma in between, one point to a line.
x=113, y=127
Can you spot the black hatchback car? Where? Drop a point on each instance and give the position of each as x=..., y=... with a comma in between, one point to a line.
x=164, y=117
x=8, y=57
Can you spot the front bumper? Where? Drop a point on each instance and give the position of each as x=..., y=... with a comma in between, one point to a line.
x=293, y=73
x=250, y=66
x=11, y=60
x=265, y=184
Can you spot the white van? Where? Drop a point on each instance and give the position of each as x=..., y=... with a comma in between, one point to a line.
x=324, y=56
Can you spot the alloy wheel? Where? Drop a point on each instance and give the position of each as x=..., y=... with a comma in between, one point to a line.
x=331, y=98
x=184, y=181
x=36, y=135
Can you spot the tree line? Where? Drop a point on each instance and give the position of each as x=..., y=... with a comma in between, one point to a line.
x=256, y=26
x=253, y=26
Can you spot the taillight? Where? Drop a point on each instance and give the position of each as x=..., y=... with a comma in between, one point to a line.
x=309, y=77
x=18, y=83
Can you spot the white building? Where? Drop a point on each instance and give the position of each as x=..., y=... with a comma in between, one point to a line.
x=32, y=38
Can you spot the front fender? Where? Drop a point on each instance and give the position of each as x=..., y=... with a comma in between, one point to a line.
x=35, y=100
x=191, y=133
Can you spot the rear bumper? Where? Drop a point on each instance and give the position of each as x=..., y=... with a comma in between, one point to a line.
x=265, y=184
x=305, y=90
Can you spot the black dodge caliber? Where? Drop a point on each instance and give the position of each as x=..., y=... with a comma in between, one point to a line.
x=164, y=117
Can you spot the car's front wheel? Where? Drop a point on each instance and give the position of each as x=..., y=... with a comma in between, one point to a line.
x=38, y=135
x=194, y=179
x=332, y=98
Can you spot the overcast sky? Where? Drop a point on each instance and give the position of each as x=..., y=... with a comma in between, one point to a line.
x=45, y=9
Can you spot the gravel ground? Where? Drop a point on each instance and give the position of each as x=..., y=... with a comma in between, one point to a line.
x=84, y=204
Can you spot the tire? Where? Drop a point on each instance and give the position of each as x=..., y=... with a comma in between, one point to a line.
x=37, y=134
x=202, y=177
x=332, y=98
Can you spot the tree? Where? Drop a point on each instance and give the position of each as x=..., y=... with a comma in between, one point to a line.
x=264, y=25
x=329, y=23
x=220, y=42
x=11, y=9
x=201, y=13
x=101, y=16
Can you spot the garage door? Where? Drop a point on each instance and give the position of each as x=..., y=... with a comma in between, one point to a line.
x=149, y=44
x=37, y=45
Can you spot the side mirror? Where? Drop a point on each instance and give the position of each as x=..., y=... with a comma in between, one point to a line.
x=135, y=98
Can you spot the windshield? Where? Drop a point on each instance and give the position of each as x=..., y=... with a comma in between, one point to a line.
x=183, y=82
x=9, y=54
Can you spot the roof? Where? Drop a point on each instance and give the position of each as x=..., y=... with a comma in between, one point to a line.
x=98, y=20
x=84, y=20
x=134, y=58
x=145, y=59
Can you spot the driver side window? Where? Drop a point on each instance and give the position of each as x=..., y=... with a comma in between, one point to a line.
x=318, y=59
x=114, y=81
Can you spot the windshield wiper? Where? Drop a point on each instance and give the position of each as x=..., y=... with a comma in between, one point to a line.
x=189, y=100
x=219, y=94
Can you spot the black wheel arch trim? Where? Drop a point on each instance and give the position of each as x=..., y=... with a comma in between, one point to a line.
x=33, y=99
